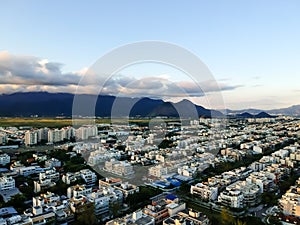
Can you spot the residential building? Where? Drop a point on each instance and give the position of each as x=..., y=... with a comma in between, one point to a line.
x=7, y=183
x=78, y=190
x=51, y=163
x=4, y=159
x=88, y=176
x=137, y=217
x=205, y=191
x=158, y=171
x=31, y=138
x=185, y=218
x=289, y=202
x=121, y=168
x=240, y=194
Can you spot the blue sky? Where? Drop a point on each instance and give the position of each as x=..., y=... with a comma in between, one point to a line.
x=253, y=46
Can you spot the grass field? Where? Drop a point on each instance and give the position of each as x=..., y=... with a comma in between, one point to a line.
x=61, y=122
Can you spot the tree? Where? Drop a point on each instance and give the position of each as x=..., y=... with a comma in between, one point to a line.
x=115, y=208
x=226, y=217
x=239, y=222
x=17, y=202
x=86, y=216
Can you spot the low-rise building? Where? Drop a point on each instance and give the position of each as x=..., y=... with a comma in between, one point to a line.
x=137, y=217
x=190, y=217
x=121, y=168
x=4, y=159
x=88, y=176
x=240, y=195
x=289, y=202
x=205, y=191
x=7, y=183
x=51, y=163
x=158, y=171
x=78, y=190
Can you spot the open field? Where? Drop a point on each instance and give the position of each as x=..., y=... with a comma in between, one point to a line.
x=61, y=122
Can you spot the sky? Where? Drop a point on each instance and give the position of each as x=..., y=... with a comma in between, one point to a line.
x=252, y=48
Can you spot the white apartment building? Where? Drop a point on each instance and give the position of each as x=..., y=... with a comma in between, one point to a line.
x=239, y=195
x=45, y=199
x=192, y=217
x=7, y=183
x=49, y=174
x=265, y=180
x=3, y=138
x=117, y=184
x=52, y=163
x=85, y=132
x=69, y=178
x=42, y=134
x=289, y=202
x=27, y=170
x=4, y=159
x=31, y=138
x=204, y=191
x=88, y=176
x=78, y=190
x=137, y=217
x=55, y=135
x=119, y=167
x=158, y=171
x=67, y=133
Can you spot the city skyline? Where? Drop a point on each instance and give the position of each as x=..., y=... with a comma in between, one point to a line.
x=250, y=48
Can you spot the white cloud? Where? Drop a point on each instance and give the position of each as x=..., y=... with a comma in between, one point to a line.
x=30, y=73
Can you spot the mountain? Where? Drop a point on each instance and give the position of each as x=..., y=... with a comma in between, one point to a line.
x=290, y=111
x=247, y=115
x=57, y=104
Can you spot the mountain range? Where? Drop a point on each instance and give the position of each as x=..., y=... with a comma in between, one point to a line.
x=60, y=104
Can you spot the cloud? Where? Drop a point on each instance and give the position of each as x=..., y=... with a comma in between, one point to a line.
x=31, y=70
x=30, y=73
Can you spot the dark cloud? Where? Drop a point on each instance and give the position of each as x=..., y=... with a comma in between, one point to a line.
x=29, y=73
x=30, y=70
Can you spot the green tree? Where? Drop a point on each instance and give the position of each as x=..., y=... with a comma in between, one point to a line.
x=86, y=215
x=226, y=217
x=17, y=202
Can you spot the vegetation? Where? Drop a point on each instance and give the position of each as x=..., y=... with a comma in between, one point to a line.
x=245, y=161
x=142, y=198
x=18, y=202
x=225, y=217
x=62, y=122
x=86, y=216
x=166, y=144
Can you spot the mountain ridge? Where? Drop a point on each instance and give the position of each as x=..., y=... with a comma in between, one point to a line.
x=60, y=104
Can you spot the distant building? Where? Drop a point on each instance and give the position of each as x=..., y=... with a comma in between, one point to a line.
x=78, y=190
x=69, y=178
x=7, y=183
x=137, y=217
x=289, y=202
x=4, y=159
x=240, y=194
x=85, y=132
x=117, y=184
x=185, y=218
x=88, y=176
x=31, y=138
x=204, y=191
x=121, y=168
x=158, y=171
x=54, y=136
x=3, y=138
x=51, y=163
